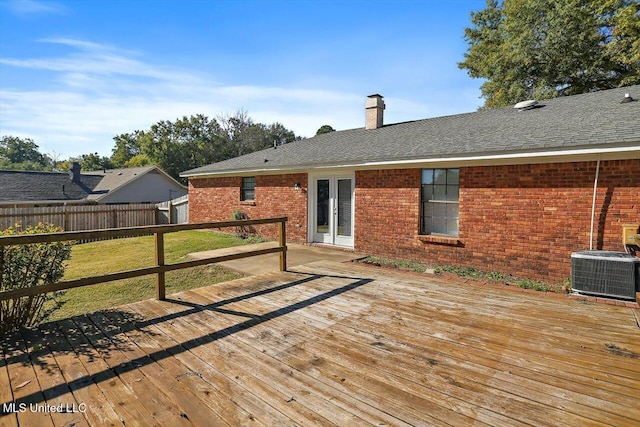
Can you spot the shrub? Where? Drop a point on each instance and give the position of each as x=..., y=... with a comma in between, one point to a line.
x=242, y=231
x=26, y=266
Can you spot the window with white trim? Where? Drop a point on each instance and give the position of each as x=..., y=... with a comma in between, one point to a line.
x=439, y=200
x=248, y=188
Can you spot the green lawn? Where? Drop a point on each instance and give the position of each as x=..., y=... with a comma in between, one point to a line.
x=111, y=256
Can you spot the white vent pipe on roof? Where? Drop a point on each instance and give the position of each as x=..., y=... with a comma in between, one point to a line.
x=593, y=204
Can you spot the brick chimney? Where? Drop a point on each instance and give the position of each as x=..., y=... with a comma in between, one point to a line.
x=374, y=108
x=74, y=172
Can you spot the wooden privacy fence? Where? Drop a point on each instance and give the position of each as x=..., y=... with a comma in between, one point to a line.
x=174, y=211
x=81, y=217
x=159, y=269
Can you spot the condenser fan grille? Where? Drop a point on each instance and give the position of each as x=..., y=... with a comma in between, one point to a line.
x=605, y=273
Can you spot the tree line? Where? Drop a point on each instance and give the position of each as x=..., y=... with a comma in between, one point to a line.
x=174, y=146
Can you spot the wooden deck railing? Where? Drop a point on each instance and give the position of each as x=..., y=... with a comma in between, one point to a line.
x=159, y=269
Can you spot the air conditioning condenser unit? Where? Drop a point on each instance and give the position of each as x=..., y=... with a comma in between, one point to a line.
x=605, y=273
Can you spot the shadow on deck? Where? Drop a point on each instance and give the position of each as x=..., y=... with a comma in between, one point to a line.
x=330, y=344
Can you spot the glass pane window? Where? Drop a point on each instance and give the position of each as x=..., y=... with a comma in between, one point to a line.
x=439, y=199
x=344, y=207
x=439, y=192
x=427, y=176
x=248, y=188
x=452, y=192
x=439, y=210
x=453, y=176
x=322, y=206
x=440, y=176
x=452, y=227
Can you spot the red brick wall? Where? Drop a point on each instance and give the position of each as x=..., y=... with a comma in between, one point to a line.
x=542, y=213
x=387, y=212
x=520, y=219
x=215, y=199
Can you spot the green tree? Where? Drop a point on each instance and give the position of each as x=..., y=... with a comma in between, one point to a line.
x=201, y=138
x=138, y=160
x=623, y=35
x=90, y=162
x=539, y=49
x=127, y=147
x=194, y=141
x=22, y=154
x=324, y=129
x=184, y=144
x=280, y=135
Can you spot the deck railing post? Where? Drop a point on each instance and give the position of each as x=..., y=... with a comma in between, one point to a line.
x=160, y=283
x=159, y=269
x=283, y=242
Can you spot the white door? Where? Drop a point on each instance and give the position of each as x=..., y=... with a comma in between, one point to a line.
x=333, y=209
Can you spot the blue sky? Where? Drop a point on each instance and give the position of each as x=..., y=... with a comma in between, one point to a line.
x=73, y=74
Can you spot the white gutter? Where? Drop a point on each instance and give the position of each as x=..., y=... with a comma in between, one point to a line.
x=629, y=152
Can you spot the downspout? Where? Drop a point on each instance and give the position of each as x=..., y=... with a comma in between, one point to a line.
x=593, y=205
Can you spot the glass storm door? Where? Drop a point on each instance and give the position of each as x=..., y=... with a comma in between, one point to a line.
x=333, y=210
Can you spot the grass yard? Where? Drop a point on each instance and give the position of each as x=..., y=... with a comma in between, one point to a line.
x=111, y=256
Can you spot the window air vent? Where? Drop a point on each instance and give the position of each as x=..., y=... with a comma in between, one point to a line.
x=605, y=273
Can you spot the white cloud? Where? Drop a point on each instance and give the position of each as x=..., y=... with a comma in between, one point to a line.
x=25, y=8
x=94, y=58
x=79, y=44
x=102, y=91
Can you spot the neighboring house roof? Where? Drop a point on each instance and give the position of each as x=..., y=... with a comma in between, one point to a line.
x=55, y=187
x=32, y=186
x=114, y=179
x=593, y=122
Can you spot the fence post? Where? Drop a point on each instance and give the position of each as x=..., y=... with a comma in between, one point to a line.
x=160, y=284
x=283, y=242
x=170, y=213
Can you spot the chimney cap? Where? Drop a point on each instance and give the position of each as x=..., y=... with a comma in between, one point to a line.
x=374, y=101
x=375, y=95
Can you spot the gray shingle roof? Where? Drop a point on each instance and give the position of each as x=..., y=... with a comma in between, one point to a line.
x=590, y=120
x=30, y=186
x=112, y=179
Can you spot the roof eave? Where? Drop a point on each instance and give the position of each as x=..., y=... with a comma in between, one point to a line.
x=84, y=201
x=625, y=151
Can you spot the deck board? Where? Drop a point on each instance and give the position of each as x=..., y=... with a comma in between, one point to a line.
x=332, y=344
x=50, y=378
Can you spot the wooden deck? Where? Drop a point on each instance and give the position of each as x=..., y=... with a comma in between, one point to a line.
x=333, y=344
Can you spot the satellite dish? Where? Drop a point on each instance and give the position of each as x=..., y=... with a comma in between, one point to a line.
x=526, y=105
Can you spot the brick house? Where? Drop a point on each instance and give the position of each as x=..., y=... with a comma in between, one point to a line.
x=507, y=190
